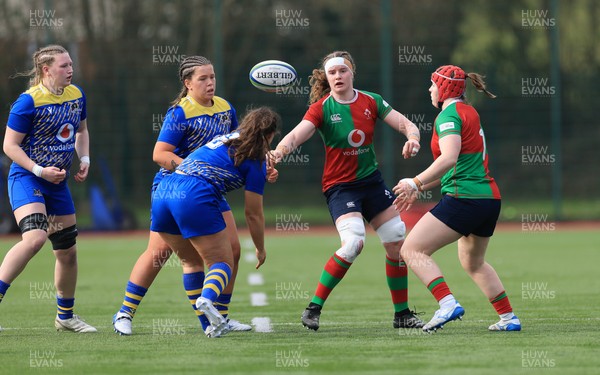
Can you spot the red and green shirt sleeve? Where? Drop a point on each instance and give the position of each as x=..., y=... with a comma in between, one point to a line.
x=347, y=131
x=470, y=178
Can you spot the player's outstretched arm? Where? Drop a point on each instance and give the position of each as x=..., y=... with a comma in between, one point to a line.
x=294, y=139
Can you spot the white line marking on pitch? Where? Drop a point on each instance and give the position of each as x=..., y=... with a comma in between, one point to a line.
x=256, y=279
x=262, y=325
x=250, y=257
x=258, y=299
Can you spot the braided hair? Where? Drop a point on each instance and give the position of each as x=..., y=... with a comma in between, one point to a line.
x=42, y=57
x=186, y=70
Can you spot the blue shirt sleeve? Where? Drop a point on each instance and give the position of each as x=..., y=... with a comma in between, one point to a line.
x=21, y=114
x=234, y=121
x=173, y=129
x=84, y=104
x=255, y=173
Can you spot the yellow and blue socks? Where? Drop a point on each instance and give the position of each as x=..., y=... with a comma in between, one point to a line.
x=192, y=283
x=222, y=304
x=3, y=288
x=64, y=307
x=216, y=280
x=133, y=296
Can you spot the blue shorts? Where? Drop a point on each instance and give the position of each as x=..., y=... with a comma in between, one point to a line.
x=466, y=216
x=26, y=188
x=369, y=196
x=187, y=206
x=223, y=204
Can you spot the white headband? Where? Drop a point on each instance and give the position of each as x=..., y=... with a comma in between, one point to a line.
x=335, y=61
x=452, y=79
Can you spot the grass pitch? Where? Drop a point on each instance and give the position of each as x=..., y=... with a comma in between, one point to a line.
x=550, y=277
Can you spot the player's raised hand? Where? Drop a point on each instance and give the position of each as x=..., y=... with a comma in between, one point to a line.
x=411, y=148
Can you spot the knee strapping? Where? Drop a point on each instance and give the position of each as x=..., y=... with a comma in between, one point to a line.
x=352, y=233
x=64, y=239
x=393, y=230
x=33, y=221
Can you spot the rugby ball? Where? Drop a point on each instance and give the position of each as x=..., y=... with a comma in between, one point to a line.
x=272, y=75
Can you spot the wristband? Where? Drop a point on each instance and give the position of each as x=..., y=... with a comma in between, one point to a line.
x=418, y=183
x=37, y=170
x=411, y=183
x=85, y=159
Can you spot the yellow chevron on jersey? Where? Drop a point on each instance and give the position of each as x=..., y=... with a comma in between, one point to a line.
x=192, y=109
x=42, y=96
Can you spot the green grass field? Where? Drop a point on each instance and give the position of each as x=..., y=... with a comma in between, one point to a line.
x=551, y=278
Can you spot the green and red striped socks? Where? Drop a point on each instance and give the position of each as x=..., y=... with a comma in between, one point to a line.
x=396, y=274
x=501, y=303
x=334, y=271
x=439, y=288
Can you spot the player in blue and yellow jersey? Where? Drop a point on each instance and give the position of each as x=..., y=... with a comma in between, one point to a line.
x=470, y=205
x=186, y=205
x=46, y=126
x=196, y=117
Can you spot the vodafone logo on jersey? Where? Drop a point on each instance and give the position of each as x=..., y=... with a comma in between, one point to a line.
x=356, y=138
x=65, y=132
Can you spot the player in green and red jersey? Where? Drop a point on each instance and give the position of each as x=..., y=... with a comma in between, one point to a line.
x=346, y=119
x=470, y=206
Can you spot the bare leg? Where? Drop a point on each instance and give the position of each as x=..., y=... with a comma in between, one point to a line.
x=471, y=253
x=21, y=253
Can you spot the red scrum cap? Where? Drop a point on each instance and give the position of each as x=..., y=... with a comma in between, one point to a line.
x=450, y=81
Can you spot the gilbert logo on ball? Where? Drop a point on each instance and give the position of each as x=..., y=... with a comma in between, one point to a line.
x=272, y=75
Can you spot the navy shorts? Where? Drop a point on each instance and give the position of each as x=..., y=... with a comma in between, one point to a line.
x=187, y=206
x=369, y=196
x=26, y=188
x=466, y=216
